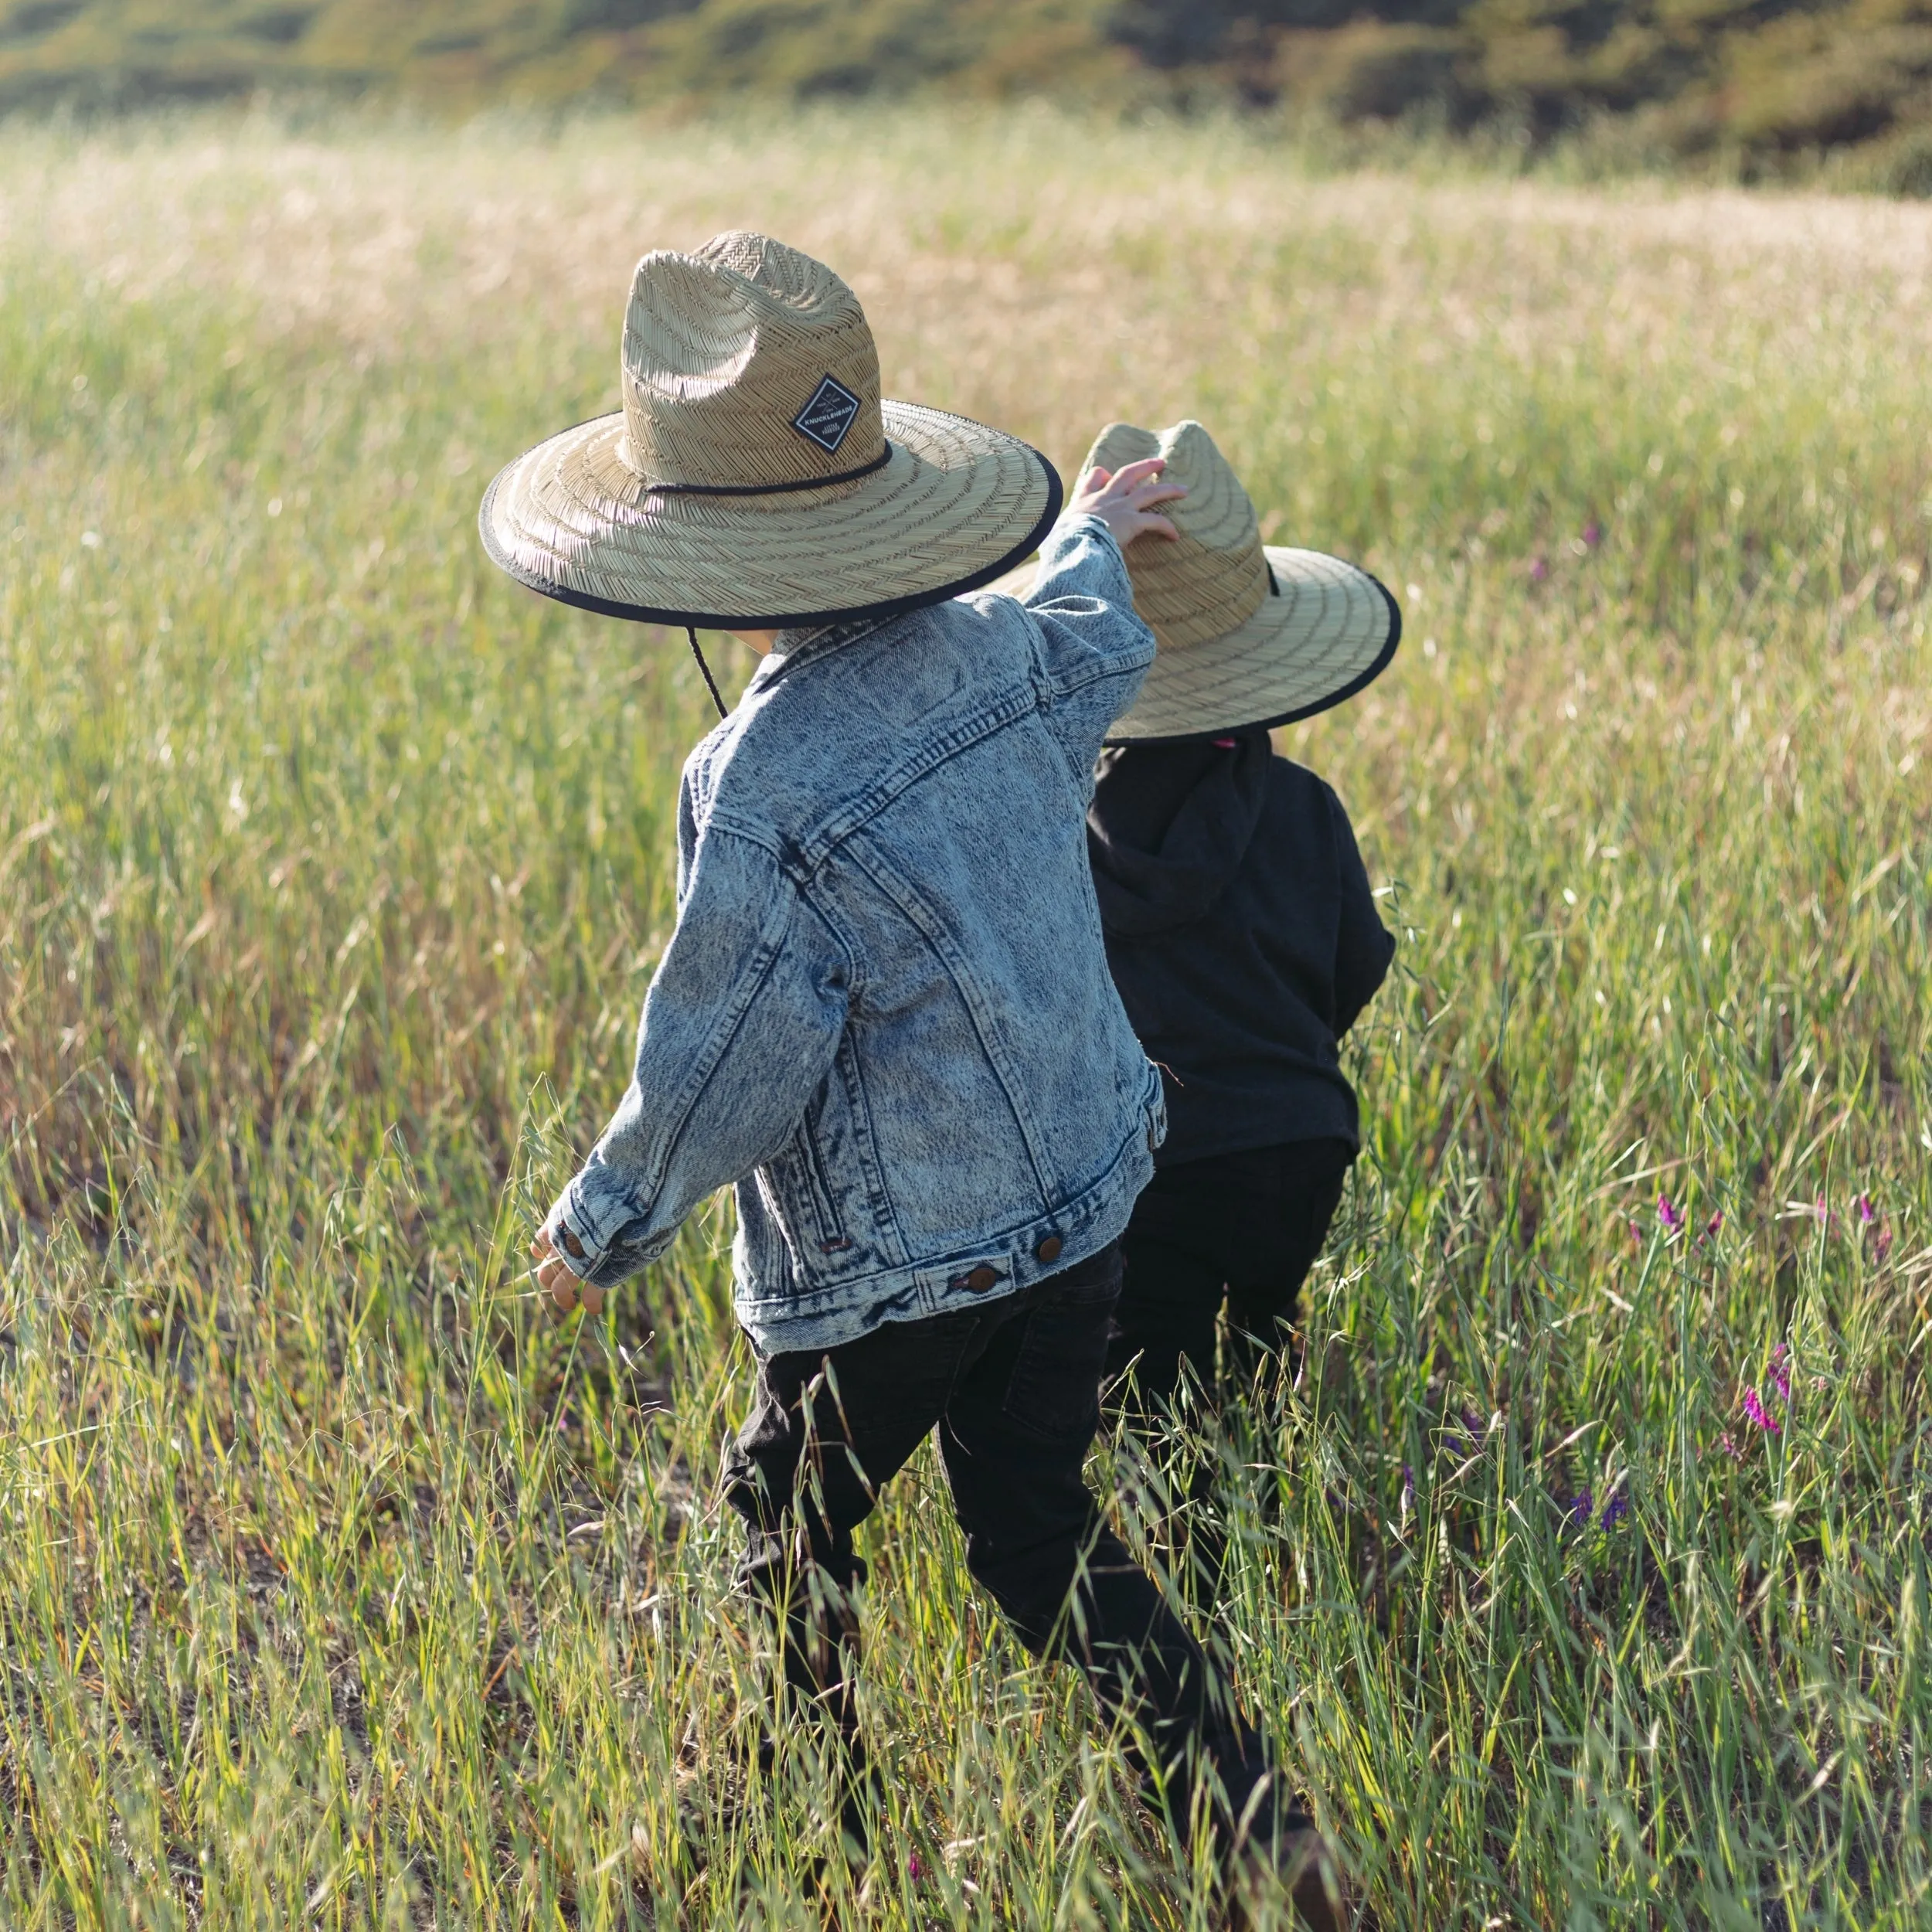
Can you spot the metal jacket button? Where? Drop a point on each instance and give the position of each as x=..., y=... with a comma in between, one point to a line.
x=982, y=1278
x=1049, y=1249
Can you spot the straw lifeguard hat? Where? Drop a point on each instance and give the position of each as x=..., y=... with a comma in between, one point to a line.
x=754, y=478
x=1249, y=633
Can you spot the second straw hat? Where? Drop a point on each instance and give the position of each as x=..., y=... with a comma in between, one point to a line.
x=755, y=477
x=1249, y=633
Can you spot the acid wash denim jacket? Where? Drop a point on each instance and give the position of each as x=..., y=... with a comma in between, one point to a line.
x=885, y=1012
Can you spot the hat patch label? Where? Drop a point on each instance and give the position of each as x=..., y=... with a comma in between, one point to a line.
x=831, y=413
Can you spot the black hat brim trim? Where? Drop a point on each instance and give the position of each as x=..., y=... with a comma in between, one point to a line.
x=1361, y=682
x=788, y=619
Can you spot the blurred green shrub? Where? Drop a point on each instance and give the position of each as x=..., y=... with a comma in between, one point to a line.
x=1382, y=70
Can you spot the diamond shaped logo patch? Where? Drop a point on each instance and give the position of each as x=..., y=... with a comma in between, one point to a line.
x=831, y=413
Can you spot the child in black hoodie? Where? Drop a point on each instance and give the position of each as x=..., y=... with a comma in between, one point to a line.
x=1243, y=939
x=1239, y=926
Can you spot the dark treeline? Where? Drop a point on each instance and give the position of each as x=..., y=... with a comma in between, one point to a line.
x=1767, y=85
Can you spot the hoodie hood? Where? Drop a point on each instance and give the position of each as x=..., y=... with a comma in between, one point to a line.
x=1169, y=826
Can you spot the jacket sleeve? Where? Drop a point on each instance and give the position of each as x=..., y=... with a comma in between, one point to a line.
x=741, y=1022
x=1096, y=650
x=1363, y=945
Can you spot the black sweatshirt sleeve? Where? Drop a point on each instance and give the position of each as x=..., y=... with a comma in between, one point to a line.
x=1363, y=945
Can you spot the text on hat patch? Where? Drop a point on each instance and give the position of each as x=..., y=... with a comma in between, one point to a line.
x=826, y=418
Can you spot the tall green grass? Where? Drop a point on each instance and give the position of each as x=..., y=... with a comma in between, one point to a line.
x=336, y=1588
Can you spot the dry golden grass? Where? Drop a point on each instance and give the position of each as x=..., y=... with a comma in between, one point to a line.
x=986, y=284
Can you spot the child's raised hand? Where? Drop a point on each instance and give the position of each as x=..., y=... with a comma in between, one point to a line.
x=555, y=1278
x=1123, y=499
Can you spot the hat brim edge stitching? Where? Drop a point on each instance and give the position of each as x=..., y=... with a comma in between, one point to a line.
x=712, y=620
x=1360, y=683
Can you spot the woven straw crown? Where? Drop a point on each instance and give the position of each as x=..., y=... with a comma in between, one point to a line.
x=1214, y=578
x=1249, y=634
x=725, y=349
x=754, y=477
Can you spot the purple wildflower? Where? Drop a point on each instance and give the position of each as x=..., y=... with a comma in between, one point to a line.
x=1821, y=1208
x=1473, y=1428
x=1616, y=1510
x=1781, y=1373
x=1865, y=1210
x=1730, y=1447
x=1668, y=1213
x=1538, y=569
x=1581, y=1506
x=1756, y=1411
x=1713, y=1224
x=915, y=1867
x=1637, y=1234
x=1593, y=534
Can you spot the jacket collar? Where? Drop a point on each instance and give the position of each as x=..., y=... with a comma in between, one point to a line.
x=807, y=643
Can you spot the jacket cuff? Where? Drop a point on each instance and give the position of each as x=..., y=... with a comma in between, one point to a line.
x=607, y=1241
x=1086, y=524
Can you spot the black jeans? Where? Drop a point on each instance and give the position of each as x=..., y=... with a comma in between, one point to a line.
x=1249, y=1225
x=1014, y=1390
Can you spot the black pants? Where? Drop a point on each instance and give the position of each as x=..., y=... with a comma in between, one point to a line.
x=1013, y=1389
x=1248, y=1225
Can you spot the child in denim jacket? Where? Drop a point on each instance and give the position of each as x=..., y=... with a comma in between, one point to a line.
x=885, y=1013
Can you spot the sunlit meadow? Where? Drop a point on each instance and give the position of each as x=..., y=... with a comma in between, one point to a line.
x=1583, y=1567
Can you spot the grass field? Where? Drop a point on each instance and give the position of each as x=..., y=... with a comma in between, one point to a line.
x=336, y=1588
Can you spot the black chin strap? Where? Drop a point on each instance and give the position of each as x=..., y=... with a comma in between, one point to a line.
x=710, y=682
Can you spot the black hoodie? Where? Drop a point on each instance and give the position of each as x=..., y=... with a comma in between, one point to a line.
x=1242, y=935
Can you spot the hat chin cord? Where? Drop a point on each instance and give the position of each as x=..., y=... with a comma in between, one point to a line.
x=710, y=682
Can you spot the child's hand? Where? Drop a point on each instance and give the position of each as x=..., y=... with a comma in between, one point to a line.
x=1122, y=499
x=554, y=1278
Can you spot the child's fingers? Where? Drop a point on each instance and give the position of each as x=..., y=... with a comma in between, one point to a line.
x=564, y=1293
x=559, y=1285
x=1130, y=475
x=1157, y=526
x=1097, y=479
x=1158, y=493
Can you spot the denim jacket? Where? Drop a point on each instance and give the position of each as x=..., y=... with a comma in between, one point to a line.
x=885, y=1012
